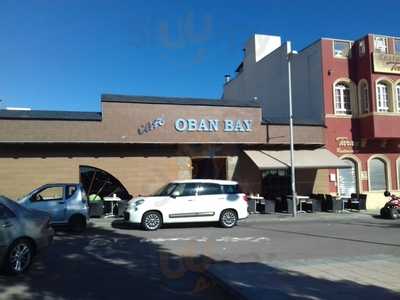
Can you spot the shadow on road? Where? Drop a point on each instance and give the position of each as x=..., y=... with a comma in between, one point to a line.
x=113, y=263
x=121, y=224
x=260, y=281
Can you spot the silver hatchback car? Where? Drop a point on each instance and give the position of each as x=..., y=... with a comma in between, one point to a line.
x=65, y=202
x=23, y=234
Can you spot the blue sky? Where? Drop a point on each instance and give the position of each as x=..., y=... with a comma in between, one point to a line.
x=63, y=54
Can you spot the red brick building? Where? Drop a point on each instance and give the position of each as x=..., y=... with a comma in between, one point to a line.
x=361, y=86
x=350, y=87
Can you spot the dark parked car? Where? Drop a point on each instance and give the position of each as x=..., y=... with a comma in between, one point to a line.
x=23, y=234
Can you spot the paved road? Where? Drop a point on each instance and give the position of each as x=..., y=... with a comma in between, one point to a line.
x=114, y=259
x=107, y=263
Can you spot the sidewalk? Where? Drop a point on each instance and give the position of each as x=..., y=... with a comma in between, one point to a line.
x=365, y=277
x=320, y=216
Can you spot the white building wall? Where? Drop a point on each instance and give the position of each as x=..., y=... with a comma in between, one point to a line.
x=308, y=97
x=267, y=80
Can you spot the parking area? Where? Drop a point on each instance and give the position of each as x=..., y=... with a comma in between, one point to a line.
x=113, y=258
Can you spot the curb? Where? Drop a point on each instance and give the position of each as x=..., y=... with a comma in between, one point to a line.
x=229, y=290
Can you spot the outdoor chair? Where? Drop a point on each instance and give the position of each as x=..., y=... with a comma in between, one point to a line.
x=353, y=202
x=316, y=204
x=121, y=208
x=96, y=209
x=363, y=201
x=357, y=201
x=333, y=204
x=328, y=203
x=281, y=204
x=269, y=207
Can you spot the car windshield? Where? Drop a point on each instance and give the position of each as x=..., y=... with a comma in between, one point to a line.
x=14, y=206
x=166, y=190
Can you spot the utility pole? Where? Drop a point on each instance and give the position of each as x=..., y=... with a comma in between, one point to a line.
x=292, y=166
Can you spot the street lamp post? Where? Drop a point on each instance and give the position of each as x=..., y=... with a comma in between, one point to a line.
x=292, y=166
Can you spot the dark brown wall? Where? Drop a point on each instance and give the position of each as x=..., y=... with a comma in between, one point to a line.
x=248, y=175
x=307, y=135
x=121, y=122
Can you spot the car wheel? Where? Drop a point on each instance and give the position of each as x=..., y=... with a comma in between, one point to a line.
x=151, y=220
x=228, y=218
x=393, y=213
x=384, y=213
x=19, y=256
x=77, y=223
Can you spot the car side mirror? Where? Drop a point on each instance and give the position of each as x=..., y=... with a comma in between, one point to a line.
x=173, y=196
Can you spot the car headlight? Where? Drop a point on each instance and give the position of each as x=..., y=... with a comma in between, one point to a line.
x=139, y=202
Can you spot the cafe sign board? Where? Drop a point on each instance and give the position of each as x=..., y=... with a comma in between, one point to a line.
x=212, y=125
x=386, y=63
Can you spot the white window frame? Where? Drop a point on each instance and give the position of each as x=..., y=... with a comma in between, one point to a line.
x=338, y=54
x=394, y=46
x=364, y=97
x=398, y=172
x=339, y=95
x=380, y=39
x=361, y=48
x=382, y=103
x=398, y=97
x=386, y=166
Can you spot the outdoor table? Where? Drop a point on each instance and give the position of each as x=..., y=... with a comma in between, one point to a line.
x=302, y=199
x=253, y=202
x=114, y=201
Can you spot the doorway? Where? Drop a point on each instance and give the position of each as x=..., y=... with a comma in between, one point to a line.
x=348, y=179
x=209, y=168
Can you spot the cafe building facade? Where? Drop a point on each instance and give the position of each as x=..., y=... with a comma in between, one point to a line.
x=137, y=144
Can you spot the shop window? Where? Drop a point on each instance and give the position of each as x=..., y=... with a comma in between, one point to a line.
x=397, y=46
x=364, y=97
x=342, y=99
x=382, y=95
x=276, y=182
x=97, y=182
x=380, y=44
x=341, y=49
x=378, y=175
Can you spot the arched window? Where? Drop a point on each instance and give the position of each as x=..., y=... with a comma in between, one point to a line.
x=101, y=183
x=342, y=98
x=364, y=97
x=378, y=175
x=398, y=97
x=382, y=97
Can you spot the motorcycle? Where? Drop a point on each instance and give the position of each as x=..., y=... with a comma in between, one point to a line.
x=391, y=210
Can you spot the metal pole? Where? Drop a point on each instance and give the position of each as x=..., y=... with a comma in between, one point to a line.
x=292, y=167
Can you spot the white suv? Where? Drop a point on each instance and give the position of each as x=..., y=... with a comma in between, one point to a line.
x=190, y=201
